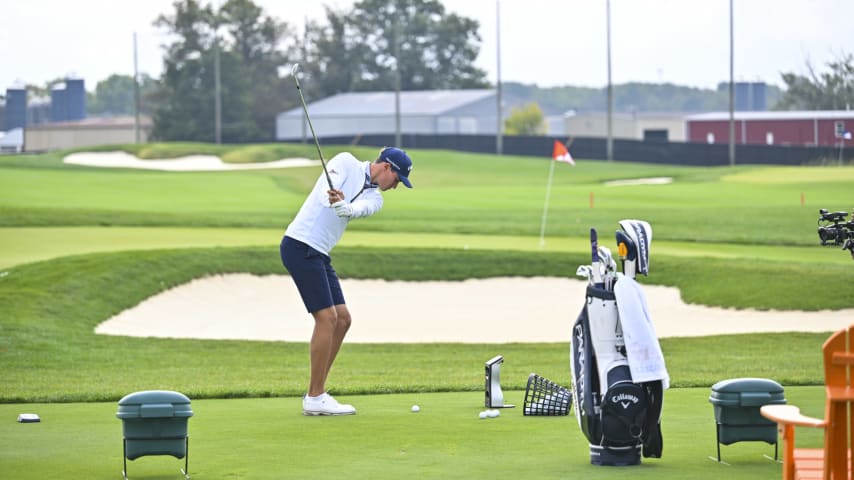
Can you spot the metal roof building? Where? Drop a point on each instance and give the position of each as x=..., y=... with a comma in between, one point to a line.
x=798, y=128
x=421, y=112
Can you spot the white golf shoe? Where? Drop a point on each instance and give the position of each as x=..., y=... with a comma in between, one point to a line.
x=325, y=405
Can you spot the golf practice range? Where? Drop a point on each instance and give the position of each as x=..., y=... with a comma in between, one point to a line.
x=81, y=245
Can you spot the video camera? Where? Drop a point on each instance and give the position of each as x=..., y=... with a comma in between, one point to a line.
x=832, y=229
x=831, y=216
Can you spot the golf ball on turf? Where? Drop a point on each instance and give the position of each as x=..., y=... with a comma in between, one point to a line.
x=483, y=415
x=492, y=413
x=416, y=408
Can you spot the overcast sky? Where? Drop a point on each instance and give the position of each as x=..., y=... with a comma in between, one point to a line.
x=543, y=42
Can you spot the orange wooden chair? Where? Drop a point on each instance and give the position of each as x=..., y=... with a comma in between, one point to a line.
x=834, y=461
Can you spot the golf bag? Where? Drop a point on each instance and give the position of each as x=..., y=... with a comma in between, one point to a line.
x=620, y=415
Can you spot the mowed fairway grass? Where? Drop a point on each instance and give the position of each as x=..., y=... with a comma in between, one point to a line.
x=78, y=245
x=267, y=439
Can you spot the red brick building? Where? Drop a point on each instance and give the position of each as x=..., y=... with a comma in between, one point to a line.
x=796, y=128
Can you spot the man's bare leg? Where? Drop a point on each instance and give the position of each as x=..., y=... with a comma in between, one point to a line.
x=341, y=328
x=321, y=348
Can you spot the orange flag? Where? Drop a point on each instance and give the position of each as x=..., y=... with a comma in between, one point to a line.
x=561, y=154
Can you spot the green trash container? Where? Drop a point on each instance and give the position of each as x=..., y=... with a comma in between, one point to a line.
x=154, y=422
x=736, y=403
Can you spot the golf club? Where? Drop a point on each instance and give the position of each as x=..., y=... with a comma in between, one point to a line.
x=305, y=109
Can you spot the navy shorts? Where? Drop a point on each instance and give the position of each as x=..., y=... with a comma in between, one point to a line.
x=313, y=274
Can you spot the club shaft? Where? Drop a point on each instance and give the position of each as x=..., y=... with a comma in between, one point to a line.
x=314, y=135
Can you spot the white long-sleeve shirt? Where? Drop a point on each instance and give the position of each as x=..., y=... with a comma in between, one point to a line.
x=316, y=223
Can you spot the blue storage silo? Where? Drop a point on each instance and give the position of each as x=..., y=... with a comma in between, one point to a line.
x=58, y=107
x=75, y=99
x=750, y=96
x=16, y=108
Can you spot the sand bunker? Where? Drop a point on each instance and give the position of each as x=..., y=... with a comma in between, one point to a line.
x=640, y=181
x=190, y=163
x=497, y=310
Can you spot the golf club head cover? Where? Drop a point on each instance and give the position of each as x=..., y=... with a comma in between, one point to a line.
x=640, y=232
x=628, y=253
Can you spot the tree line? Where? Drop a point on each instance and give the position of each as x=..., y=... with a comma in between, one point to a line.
x=374, y=45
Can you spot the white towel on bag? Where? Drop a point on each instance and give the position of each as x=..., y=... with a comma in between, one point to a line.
x=646, y=361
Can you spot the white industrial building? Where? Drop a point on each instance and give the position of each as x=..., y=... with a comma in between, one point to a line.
x=421, y=112
x=667, y=127
x=88, y=132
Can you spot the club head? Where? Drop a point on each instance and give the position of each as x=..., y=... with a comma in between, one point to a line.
x=287, y=70
x=606, y=258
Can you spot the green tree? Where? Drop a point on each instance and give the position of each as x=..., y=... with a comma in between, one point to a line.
x=115, y=96
x=256, y=41
x=333, y=56
x=247, y=44
x=832, y=90
x=358, y=50
x=525, y=120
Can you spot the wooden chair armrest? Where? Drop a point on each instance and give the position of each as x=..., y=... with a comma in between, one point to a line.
x=843, y=358
x=790, y=415
x=840, y=394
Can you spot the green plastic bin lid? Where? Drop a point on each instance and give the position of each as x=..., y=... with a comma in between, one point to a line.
x=739, y=385
x=154, y=396
x=746, y=392
x=154, y=404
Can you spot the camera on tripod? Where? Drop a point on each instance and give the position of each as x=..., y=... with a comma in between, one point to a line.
x=832, y=227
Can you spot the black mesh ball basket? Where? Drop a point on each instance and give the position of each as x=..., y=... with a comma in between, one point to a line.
x=545, y=398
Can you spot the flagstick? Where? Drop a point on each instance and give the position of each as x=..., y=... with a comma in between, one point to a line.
x=546, y=204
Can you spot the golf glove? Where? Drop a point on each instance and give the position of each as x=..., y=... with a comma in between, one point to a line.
x=343, y=209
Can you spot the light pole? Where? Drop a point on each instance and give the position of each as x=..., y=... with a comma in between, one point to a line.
x=610, y=141
x=397, y=140
x=731, y=93
x=499, y=140
x=217, y=93
x=135, y=92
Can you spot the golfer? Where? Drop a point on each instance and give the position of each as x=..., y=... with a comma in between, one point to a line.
x=305, y=248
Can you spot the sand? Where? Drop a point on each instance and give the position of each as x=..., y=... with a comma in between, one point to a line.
x=190, y=163
x=497, y=310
